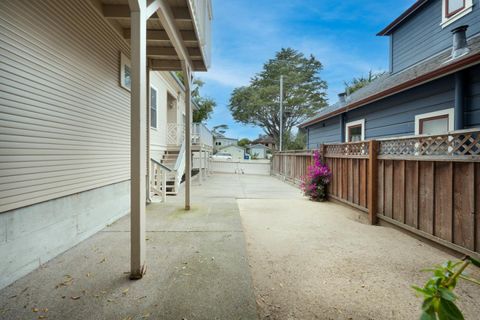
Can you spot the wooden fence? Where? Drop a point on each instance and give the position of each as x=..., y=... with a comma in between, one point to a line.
x=429, y=185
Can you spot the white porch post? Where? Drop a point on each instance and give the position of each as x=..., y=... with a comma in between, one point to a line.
x=188, y=134
x=138, y=138
x=205, y=163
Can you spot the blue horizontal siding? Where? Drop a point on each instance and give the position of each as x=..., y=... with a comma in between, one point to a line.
x=421, y=35
x=395, y=115
x=327, y=131
x=472, y=115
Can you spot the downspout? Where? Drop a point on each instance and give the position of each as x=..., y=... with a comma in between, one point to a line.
x=459, y=110
x=342, y=99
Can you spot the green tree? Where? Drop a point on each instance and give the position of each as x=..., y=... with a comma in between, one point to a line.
x=205, y=104
x=304, y=93
x=296, y=141
x=360, y=82
x=244, y=142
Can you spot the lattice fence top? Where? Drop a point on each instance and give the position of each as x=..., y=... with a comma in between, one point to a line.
x=347, y=149
x=462, y=143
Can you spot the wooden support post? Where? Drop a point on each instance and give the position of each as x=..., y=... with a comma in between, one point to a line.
x=205, y=163
x=138, y=139
x=188, y=134
x=322, y=151
x=372, y=181
x=200, y=173
x=164, y=186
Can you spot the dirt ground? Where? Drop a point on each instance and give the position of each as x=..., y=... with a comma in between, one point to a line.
x=317, y=261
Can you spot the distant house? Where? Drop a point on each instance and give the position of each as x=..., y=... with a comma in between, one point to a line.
x=220, y=141
x=237, y=152
x=267, y=141
x=431, y=87
x=257, y=151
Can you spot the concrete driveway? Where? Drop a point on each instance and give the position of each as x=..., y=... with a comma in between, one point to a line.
x=304, y=260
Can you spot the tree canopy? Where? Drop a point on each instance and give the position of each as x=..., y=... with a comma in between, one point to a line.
x=205, y=104
x=304, y=93
x=244, y=142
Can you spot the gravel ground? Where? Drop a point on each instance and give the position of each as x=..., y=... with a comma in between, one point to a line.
x=318, y=261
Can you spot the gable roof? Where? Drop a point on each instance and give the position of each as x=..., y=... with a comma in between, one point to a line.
x=388, y=29
x=389, y=84
x=264, y=139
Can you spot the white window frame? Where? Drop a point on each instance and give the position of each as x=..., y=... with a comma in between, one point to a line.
x=124, y=61
x=156, y=107
x=463, y=12
x=448, y=112
x=354, y=124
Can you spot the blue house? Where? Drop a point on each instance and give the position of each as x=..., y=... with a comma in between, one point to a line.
x=432, y=87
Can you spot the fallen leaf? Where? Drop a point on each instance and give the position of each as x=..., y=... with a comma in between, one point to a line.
x=103, y=260
x=146, y=315
x=88, y=274
x=42, y=317
x=124, y=292
x=34, y=310
x=75, y=297
x=45, y=309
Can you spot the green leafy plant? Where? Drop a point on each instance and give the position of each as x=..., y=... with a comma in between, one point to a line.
x=439, y=298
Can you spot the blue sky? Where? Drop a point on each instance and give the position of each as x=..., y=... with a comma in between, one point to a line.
x=341, y=34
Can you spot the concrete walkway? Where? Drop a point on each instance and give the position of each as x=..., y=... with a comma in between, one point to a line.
x=196, y=267
x=303, y=260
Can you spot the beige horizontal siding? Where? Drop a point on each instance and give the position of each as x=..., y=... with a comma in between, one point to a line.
x=64, y=119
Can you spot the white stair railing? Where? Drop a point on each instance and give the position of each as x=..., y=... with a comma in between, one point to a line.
x=158, y=179
x=179, y=166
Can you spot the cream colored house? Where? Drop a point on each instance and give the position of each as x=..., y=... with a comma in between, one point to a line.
x=237, y=152
x=75, y=117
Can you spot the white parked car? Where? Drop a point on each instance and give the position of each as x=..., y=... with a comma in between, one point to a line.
x=222, y=156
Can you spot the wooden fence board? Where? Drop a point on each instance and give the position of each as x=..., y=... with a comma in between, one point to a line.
x=363, y=183
x=350, y=180
x=380, y=186
x=411, y=193
x=477, y=206
x=388, y=185
x=443, y=200
x=356, y=182
x=426, y=196
x=339, y=177
x=344, y=178
x=463, y=197
x=398, y=193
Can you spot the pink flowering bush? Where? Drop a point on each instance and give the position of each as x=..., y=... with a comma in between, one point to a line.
x=318, y=176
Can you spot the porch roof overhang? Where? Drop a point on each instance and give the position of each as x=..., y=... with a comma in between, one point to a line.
x=391, y=84
x=190, y=21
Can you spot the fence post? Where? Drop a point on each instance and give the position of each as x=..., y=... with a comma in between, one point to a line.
x=372, y=181
x=323, y=150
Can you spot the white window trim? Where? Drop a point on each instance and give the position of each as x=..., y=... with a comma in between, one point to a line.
x=352, y=124
x=451, y=118
x=124, y=61
x=446, y=21
x=150, y=105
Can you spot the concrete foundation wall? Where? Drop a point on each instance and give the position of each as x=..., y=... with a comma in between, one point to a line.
x=32, y=235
